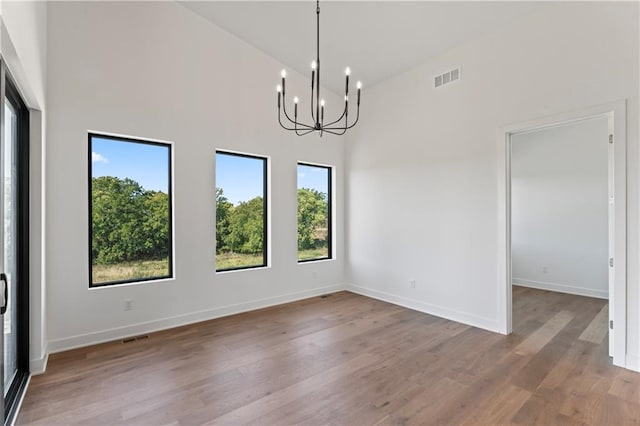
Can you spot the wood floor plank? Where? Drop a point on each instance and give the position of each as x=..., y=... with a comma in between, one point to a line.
x=349, y=360
x=252, y=411
x=626, y=386
x=597, y=329
x=544, y=334
x=421, y=409
x=501, y=407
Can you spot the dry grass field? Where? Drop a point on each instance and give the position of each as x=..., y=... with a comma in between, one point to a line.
x=130, y=270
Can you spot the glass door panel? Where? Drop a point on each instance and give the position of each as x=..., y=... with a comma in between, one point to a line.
x=9, y=240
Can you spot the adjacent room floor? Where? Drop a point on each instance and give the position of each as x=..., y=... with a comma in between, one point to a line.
x=349, y=360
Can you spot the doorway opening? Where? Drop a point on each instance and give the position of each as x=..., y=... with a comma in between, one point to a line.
x=563, y=224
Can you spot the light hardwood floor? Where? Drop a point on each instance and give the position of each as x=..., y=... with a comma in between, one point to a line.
x=349, y=360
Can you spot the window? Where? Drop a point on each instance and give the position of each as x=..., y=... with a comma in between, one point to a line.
x=241, y=211
x=314, y=212
x=130, y=210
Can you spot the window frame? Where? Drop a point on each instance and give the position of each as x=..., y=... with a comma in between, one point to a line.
x=330, y=170
x=265, y=211
x=130, y=139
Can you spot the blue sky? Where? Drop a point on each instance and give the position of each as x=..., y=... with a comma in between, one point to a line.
x=146, y=164
x=241, y=178
x=313, y=178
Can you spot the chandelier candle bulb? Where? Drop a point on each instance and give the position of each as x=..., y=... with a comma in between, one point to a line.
x=347, y=72
x=278, y=90
x=283, y=73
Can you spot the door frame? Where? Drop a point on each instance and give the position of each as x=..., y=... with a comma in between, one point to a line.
x=616, y=112
x=9, y=89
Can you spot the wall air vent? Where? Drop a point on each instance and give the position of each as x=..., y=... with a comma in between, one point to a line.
x=135, y=338
x=446, y=78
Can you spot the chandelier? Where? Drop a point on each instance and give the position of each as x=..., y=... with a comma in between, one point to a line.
x=336, y=127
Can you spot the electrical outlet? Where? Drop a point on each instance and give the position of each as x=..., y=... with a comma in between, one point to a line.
x=128, y=304
x=545, y=269
x=412, y=283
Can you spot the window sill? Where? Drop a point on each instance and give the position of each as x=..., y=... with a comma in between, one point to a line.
x=304, y=262
x=251, y=268
x=133, y=283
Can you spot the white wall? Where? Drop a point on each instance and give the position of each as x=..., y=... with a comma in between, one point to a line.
x=23, y=45
x=422, y=184
x=26, y=26
x=157, y=70
x=559, y=228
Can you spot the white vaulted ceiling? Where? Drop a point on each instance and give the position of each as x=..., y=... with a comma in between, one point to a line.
x=376, y=39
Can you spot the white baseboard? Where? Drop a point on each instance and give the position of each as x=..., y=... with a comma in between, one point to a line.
x=428, y=308
x=633, y=362
x=561, y=288
x=39, y=365
x=103, y=336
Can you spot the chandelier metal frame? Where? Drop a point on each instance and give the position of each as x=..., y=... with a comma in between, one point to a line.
x=318, y=125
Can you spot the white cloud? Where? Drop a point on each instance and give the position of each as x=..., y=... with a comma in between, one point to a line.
x=300, y=175
x=98, y=158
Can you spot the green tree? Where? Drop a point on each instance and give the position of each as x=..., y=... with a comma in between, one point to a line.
x=312, y=217
x=128, y=223
x=156, y=225
x=224, y=210
x=246, y=227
